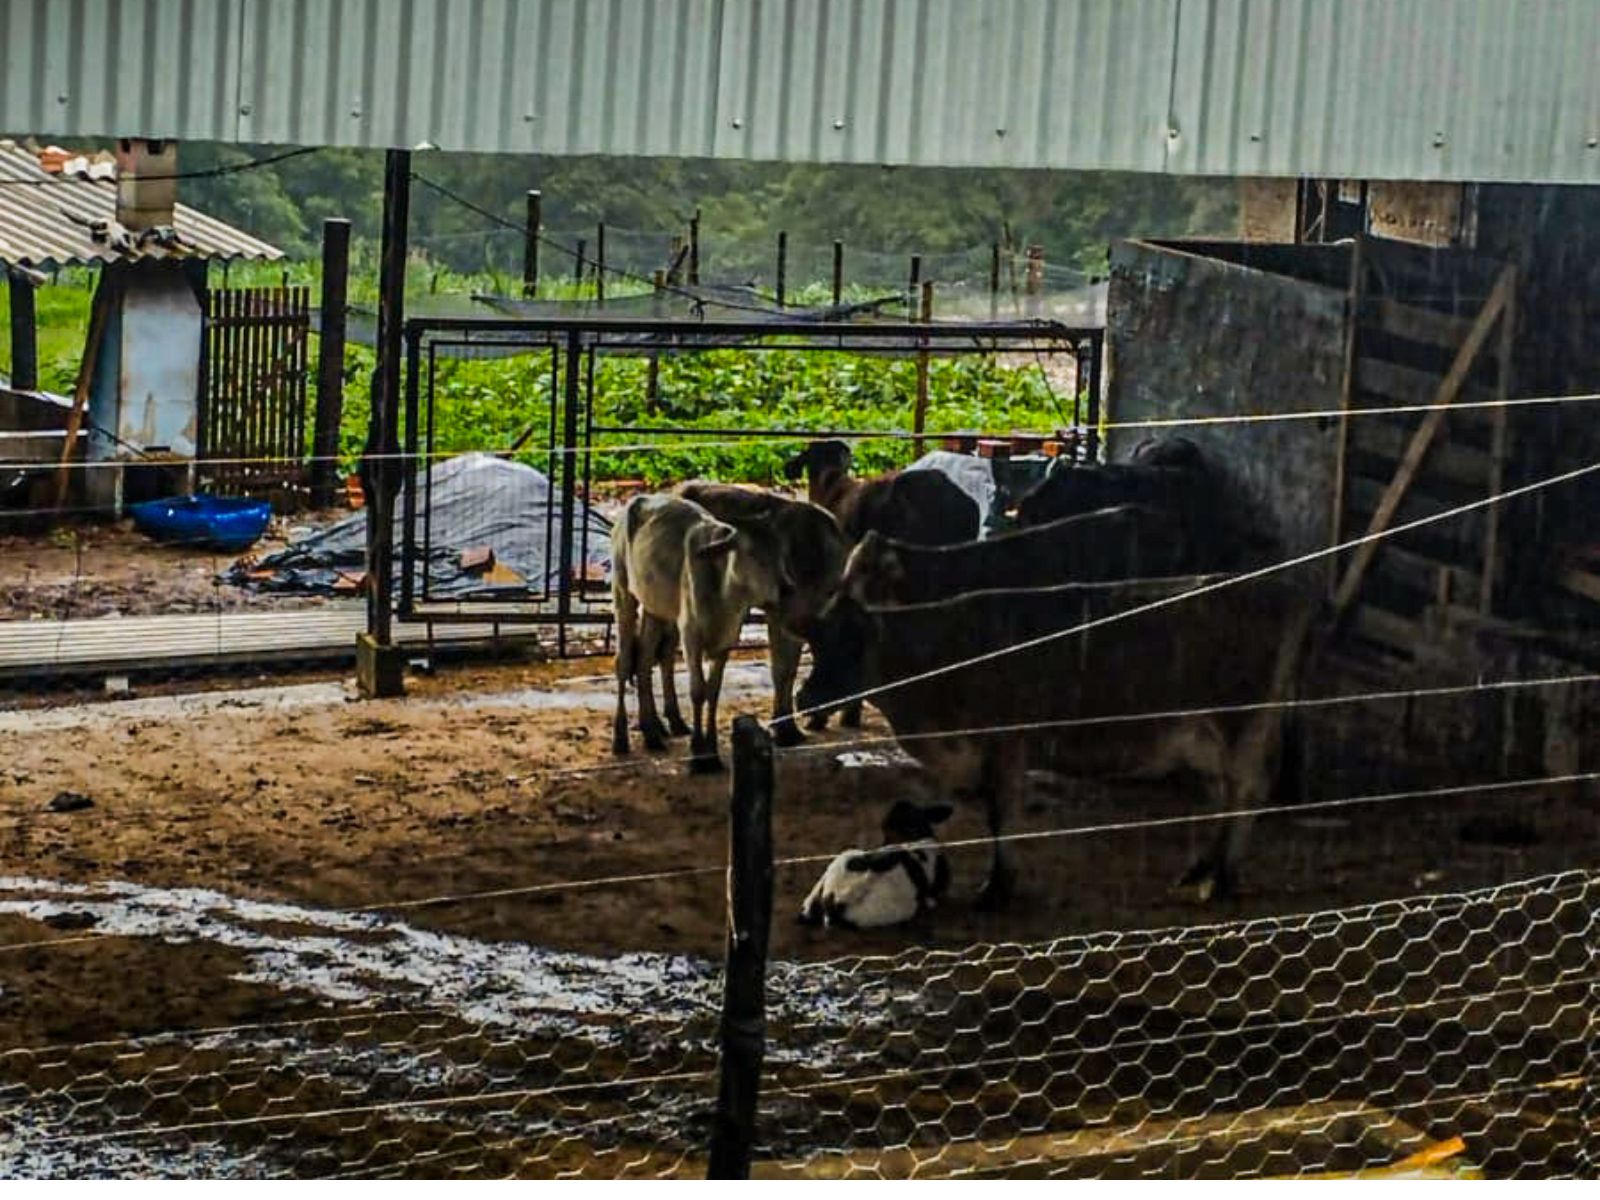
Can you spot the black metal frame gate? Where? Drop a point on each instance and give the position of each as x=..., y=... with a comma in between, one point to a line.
x=564, y=598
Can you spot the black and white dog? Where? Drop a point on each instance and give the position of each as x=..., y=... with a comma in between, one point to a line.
x=868, y=889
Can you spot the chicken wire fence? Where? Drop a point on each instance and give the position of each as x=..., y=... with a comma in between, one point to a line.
x=1329, y=1042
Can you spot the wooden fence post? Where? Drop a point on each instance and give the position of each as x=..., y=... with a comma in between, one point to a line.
x=744, y=1021
x=694, y=249
x=24, y=334
x=994, y=282
x=530, y=245
x=914, y=285
x=330, y=361
x=577, y=265
x=838, y=273
x=1033, y=280
x=783, y=262
x=600, y=265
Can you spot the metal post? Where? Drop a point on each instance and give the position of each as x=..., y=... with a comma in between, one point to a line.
x=600, y=265
x=24, y=335
x=694, y=249
x=744, y=1021
x=577, y=266
x=652, y=386
x=569, y=483
x=919, y=415
x=914, y=285
x=1096, y=355
x=783, y=262
x=530, y=246
x=408, y=546
x=838, y=273
x=380, y=465
x=330, y=361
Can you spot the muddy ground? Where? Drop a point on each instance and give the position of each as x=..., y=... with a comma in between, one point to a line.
x=499, y=778
x=110, y=569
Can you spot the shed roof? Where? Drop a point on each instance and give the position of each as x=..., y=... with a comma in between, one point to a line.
x=48, y=220
x=1487, y=90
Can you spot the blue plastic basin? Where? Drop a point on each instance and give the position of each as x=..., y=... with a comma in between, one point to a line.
x=207, y=522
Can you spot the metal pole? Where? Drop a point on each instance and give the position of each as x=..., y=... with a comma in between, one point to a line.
x=600, y=265
x=24, y=335
x=783, y=262
x=530, y=246
x=330, y=361
x=913, y=284
x=919, y=415
x=408, y=544
x=838, y=273
x=577, y=266
x=744, y=1021
x=380, y=464
x=569, y=482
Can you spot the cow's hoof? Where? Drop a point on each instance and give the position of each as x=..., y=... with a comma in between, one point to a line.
x=817, y=722
x=786, y=733
x=619, y=745
x=997, y=892
x=1204, y=882
x=705, y=763
x=619, y=736
x=655, y=737
x=677, y=726
x=851, y=718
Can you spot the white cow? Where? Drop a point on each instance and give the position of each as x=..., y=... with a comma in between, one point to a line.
x=673, y=563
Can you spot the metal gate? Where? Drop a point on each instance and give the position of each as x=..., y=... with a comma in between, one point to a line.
x=564, y=589
x=252, y=427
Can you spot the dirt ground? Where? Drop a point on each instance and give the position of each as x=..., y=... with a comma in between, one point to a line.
x=102, y=570
x=295, y=796
x=457, y=789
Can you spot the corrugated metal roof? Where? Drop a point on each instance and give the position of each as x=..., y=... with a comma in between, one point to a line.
x=45, y=221
x=1400, y=89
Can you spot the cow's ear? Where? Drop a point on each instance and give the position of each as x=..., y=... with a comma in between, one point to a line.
x=717, y=546
x=936, y=814
x=796, y=466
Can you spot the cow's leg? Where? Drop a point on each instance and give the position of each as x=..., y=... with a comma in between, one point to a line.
x=817, y=722
x=1231, y=774
x=626, y=663
x=652, y=633
x=1004, y=777
x=667, y=659
x=783, y=655
x=694, y=655
x=705, y=760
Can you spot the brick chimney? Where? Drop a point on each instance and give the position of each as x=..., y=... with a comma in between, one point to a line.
x=146, y=188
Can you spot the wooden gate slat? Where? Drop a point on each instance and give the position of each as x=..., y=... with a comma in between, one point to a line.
x=254, y=420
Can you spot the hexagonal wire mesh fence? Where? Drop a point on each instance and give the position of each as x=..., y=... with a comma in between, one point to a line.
x=1335, y=1041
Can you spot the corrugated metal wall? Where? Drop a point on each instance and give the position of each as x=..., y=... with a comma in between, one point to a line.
x=1404, y=89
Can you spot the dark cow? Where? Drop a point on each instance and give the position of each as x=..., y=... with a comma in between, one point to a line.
x=811, y=561
x=1125, y=542
x=1169, y=474
x=921, y=507
x=983, y=686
